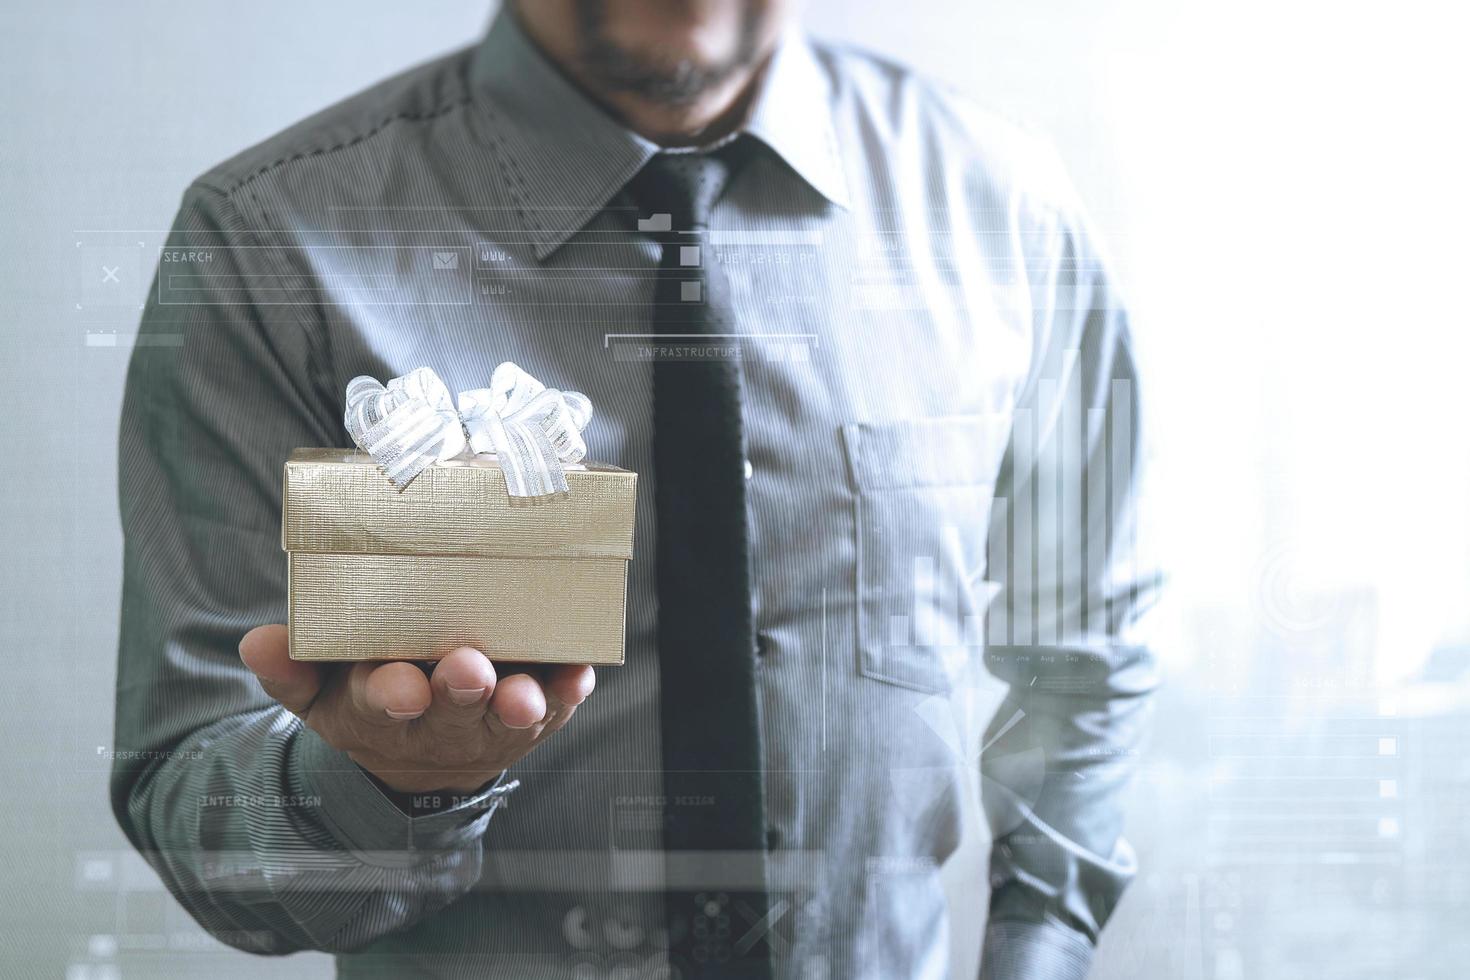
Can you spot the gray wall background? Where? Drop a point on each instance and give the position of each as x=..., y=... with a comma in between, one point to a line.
x=1281, y=184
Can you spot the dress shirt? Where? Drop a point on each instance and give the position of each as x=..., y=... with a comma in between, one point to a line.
x=938, y=386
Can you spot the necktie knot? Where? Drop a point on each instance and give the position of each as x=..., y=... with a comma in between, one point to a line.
x=683, y=186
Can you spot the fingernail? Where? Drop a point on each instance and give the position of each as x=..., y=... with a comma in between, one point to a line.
x=465, y=695
x=402, y=715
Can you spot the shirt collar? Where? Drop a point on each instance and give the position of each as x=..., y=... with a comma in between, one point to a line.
x=793, y=116
x=565, y=158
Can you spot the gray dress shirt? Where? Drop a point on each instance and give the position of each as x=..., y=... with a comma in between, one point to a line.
x=942, y=443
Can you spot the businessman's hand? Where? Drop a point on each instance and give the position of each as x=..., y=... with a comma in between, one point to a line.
x=453, y=730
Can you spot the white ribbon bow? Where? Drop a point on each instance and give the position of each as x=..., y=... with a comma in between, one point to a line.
x=412, y=423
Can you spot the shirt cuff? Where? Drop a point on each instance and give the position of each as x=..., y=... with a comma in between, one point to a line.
x=1016, y=950
x=367, y=822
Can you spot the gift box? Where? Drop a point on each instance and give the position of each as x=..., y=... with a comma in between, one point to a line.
x=452, y=559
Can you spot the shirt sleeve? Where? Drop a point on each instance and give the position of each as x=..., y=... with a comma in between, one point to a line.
x=270, y=838
x=1063, y=630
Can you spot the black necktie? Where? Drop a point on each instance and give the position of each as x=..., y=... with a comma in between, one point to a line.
x=706, y=640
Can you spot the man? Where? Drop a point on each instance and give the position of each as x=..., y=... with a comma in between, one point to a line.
x=853, y=336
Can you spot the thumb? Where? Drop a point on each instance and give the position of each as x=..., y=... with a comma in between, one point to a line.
x=265, y=650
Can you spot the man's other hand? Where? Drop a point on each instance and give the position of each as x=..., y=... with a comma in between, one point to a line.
x=453, y=729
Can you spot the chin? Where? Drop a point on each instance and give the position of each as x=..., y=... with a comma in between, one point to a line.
x=672, y=37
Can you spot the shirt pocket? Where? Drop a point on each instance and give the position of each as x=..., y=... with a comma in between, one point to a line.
x=922, y=492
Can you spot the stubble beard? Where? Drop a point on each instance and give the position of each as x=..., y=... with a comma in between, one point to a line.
x=671, y=82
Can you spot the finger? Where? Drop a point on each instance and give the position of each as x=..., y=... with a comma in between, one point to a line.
x=294, y=684
x=518, y=701
x=462, y=684
x=570, y=683
x=396, y=691
x=557, y=720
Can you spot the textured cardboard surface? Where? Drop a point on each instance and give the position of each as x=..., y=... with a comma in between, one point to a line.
x=338, y=501
x=376, y=574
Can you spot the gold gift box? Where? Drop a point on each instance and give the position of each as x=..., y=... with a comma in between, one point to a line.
x=378, y=574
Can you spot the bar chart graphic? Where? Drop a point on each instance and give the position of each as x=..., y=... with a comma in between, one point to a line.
x=1050, y=557
x=945, y=611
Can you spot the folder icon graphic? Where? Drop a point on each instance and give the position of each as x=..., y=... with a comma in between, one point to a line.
x=656, y=222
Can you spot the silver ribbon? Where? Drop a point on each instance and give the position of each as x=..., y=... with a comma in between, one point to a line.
x=412, y=422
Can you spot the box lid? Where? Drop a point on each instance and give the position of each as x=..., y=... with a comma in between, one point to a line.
x=339, y=501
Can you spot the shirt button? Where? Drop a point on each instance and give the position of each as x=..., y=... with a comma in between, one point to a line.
x=749, y=470
x=773, y=838
x=762, y=645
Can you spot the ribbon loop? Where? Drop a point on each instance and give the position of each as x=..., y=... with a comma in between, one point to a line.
x=412, y=423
